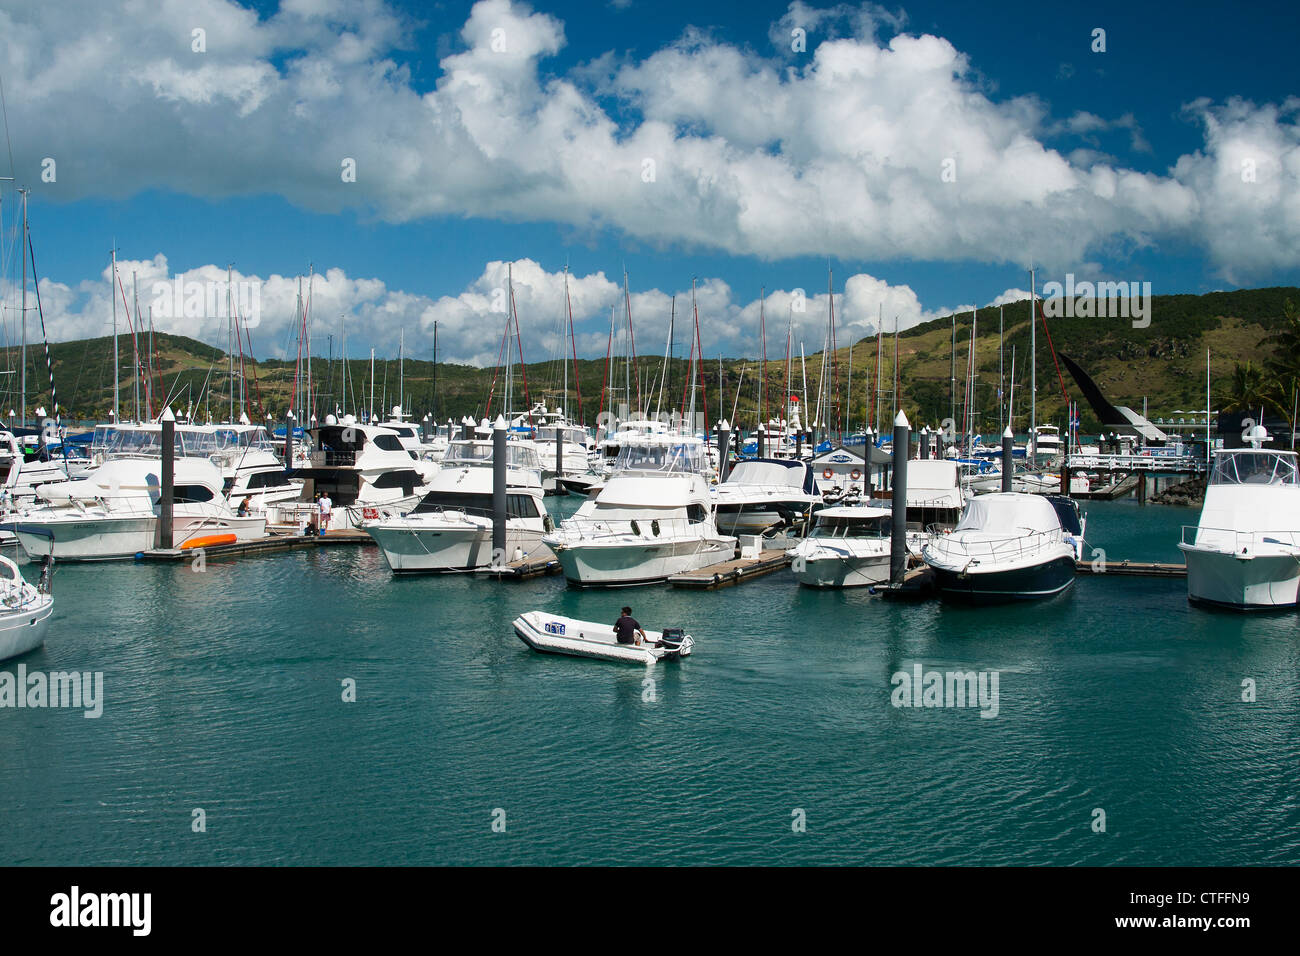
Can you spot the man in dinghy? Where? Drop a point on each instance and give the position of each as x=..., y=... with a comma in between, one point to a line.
x=626, y=627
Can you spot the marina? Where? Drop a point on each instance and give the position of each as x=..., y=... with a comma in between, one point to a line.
x=520, y=433
x=435, y=704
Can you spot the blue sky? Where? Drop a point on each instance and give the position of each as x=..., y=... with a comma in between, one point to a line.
x=771, y=164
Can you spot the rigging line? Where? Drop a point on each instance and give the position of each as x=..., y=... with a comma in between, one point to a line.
x=577, y=383
x=5, y=109
x=49, y=365
x=1060, y=378
x=501, y=353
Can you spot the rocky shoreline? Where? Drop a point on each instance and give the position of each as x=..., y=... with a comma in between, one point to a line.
x=1188, y=493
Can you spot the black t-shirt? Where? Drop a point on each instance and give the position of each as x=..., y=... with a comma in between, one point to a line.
x=626, y=627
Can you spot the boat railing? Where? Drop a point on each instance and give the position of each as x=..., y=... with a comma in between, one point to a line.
x=330, y=458
x=1242, y=542
x=591, y=529
x=1001, y=549
x=1137, y=462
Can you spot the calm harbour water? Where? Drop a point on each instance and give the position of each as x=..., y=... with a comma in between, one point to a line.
x=223, y=691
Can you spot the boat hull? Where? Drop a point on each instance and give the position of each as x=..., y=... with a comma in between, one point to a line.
x=842, y=571
x=639, y=562
x=1243, y=583
x=1026, y=583
x=587, y=639
x=443, y=548
x=124, y=536
x=24, y=630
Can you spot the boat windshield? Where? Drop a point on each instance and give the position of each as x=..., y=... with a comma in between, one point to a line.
x=673, y=457
x=189, y=442
x=572, y=436
x=851, y=528
x=1254, y=467
x=462, y=453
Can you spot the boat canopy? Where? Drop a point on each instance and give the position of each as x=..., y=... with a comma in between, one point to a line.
x=772, y=471
x=518, y=455
x=669, y=455
x=1251, y=466
x=189, y=442
x=1010, y=513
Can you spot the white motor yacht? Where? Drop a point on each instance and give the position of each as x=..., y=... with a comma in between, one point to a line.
x=25, y=610
x=761, y=493
x=848, y=547
x=1244, y=553
x=113, y=513
x=1007, y=547
x=363, y=469
x=23, y=467
x=451, y=528
x=653, y=518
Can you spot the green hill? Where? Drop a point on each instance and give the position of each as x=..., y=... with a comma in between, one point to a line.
x=1163, y=363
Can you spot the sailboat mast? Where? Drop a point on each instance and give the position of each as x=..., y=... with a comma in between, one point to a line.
x=230, y=349
x=117, y=390
x=880, y=339
x=135, y=338
x=762, y=362
x=310, y=408
x=1002, y=425
x=896, y=374
x=952, y=376
x=1033, y=368
x=23, y=374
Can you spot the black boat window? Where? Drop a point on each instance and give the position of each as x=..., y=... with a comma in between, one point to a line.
x=405, y=479
x=193, y=494
x=695, y=513
x=388, y=443
x=517, y=506
x=267, y=479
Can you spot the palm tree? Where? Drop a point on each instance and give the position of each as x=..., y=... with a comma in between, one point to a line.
x=1246, y=390
x=1282, y=384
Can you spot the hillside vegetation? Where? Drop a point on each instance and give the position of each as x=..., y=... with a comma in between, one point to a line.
x=1245, y=333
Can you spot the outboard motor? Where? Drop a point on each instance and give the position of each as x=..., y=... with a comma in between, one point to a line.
x=674, y=640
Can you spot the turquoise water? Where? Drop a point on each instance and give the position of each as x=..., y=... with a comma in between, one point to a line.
x=223, y=692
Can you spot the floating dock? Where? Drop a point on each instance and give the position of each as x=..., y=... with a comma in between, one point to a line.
x=729, y=573
x=917, y=585
x=1137, y=569
x=272, y=543
x=524, y=569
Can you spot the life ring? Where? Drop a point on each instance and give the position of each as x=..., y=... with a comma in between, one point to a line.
x=369, y=514
x=828, y=474
x=855, y=475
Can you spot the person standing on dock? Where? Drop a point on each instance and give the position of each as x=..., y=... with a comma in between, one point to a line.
x=325, y=506
x=626, y=627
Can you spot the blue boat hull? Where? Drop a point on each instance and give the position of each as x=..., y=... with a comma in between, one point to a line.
x=1001, y=587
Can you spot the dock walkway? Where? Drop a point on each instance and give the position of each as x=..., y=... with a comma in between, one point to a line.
x=728, y=573
x=272, y=543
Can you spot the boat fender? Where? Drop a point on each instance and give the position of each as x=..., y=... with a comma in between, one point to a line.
x=548, y=523
x=636, y=528
x=654, y=527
